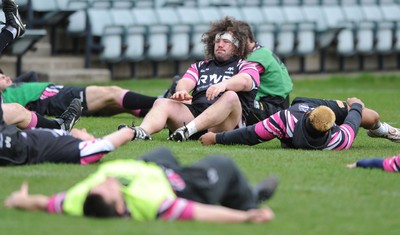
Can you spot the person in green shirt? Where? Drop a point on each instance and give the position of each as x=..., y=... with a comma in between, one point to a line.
x=275, y=82
x=156, y=186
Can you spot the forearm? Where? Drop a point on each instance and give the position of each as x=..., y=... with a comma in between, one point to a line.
x=354, y=117
x=29, y=203
x=245, y=136
x=185, y=84
x=210, y=213
x=240, y=82
x=370, y=163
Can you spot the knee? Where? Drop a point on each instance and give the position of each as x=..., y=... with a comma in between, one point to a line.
x=370, y=119
x=230, y=97
x=162, y=103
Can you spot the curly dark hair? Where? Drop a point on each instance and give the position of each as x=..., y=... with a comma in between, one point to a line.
x=228, y=24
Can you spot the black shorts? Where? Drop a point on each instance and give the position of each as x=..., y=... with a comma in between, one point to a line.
x=13, y=148
x=340, y=108
x=57, y=104
x=267, y=106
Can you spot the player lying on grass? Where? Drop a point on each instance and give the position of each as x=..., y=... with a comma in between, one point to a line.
x=390, y=164
x=212, y=189
x=50, y=99
x=34, y=146
x=311, y=124
x=15, y=114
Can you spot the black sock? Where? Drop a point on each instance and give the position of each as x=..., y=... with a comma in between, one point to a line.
x=134, y=100
x=47, y=123
x=5, y=38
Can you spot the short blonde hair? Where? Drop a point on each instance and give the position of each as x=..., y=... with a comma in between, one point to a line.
x=322, y=118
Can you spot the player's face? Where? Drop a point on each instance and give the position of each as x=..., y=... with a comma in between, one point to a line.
x=5, y=81
x=223, y=49
x=111, y=192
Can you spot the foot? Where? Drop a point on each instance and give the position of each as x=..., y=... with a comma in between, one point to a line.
x=266, y=189
x=70, y=116
x=181, y=134
x=393, y=134
x=140, y=134
x=13, y=18
x=171, y=90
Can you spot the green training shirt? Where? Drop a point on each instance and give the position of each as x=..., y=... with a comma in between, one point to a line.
x=144, y=186
x=275, y=80
x=24, y=93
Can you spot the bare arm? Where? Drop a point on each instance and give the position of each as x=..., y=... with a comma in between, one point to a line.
x=183, y=87
x=238, y=82
x=22, y=200
x=213, y=213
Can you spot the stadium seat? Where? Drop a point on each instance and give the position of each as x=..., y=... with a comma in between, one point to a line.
x=363, y=31
x=390, y=13
x=345, y=42
x=135, y=42
x=286, y=32
x=305, y=33
x=271, y=3
x=209, y=14
x=112, y=43
x=47, y=13
x=192, y=17
x=383, y=28
x=179, y=35
x=157, y=35
x=231, y=12
x=264, y=32
x=98, y=19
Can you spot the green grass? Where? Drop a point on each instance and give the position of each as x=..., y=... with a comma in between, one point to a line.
x=317, y=193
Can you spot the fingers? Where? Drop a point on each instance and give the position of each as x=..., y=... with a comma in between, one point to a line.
x=208, y=138
x=261, y=215
x=24, y=188
x=351, y=165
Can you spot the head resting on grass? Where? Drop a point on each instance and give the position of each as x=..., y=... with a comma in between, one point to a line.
x=321, y=120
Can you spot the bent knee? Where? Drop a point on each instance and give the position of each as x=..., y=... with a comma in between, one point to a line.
x=369, y=118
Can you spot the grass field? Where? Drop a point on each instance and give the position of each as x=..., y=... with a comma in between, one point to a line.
x=317, y=193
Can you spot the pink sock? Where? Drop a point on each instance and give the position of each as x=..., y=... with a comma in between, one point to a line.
x=34, y=120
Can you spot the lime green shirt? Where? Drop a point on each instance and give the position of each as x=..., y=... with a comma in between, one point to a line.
x=144, y=186
x=275, y=80
x=24, y=93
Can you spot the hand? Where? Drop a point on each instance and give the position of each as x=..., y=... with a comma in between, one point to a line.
x=354, y=100
x=208, y=138
x=351, y=165
x=81, y=134
x=214, y=90
x=17, y=198
x=260, y=215
x=181, y=96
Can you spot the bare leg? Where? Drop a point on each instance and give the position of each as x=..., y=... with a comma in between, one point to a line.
x=110, y=100
x=15, y=114
x=166, y=112
x=225, y=114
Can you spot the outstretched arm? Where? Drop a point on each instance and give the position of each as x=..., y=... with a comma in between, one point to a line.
x=21, y=199
x=220, y=214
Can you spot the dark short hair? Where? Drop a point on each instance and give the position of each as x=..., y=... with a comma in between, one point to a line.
x=95, y=206
x=1, y=71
